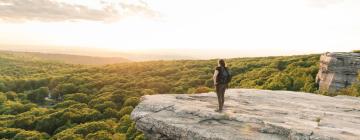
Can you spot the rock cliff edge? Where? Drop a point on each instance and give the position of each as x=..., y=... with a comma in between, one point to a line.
x=249, y=114
x=337, y=71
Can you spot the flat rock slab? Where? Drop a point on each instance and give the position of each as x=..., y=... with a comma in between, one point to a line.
x=249, y=114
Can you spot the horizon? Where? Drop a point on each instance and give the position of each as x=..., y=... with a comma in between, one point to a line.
x=157, y=54
x=204, y=30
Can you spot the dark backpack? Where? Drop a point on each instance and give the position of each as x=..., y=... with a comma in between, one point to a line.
x=224, y=76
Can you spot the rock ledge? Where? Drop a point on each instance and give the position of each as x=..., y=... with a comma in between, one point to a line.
x=249, y=114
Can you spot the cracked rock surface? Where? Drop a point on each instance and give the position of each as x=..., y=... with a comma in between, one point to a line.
x=249, y=114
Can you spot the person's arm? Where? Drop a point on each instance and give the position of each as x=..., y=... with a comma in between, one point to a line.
x=215, y=76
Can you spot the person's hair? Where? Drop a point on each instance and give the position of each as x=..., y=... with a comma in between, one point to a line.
x=222, y=63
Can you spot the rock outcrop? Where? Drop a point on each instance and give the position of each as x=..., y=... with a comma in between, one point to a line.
x=337, y=71
x=249, y=115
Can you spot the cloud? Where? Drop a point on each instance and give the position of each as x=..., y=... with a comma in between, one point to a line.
x=49, y=10
x=139, y=9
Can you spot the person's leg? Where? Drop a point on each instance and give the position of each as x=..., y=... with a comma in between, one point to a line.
x=218, y=93
x=222, y=92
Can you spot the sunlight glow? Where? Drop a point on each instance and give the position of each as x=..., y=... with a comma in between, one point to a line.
x=234, y=27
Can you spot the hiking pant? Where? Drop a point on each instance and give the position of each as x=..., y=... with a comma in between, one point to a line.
x=220, y=92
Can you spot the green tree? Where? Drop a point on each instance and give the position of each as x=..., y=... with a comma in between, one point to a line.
x=38, y=95
x=3, y=87
x=78, y=97
x=125, y=111
x=30, y=135
x=3, y=98
x=133, y=101
x=63, y=89
x=131, y=132
x=11, y=95
x=99, y=135
x=125, y=123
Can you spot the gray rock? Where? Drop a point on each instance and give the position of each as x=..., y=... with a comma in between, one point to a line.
x=337, y=71
x=249, y=114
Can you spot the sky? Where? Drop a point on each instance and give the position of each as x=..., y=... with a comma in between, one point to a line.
x=195, y=28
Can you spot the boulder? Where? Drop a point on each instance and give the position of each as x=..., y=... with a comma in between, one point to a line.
x=249, y=114
x=337, y=71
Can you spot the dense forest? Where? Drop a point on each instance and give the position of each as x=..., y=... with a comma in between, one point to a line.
x=49, y=100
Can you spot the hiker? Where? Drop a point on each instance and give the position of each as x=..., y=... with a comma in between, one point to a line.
x=222, y=77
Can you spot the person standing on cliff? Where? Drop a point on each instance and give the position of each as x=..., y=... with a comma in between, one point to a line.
x=222, y=78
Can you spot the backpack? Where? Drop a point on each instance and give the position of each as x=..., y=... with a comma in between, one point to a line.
x=224, y=76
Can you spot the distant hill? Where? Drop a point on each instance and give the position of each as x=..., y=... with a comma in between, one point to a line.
x=64, y=58
x=149, y=55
